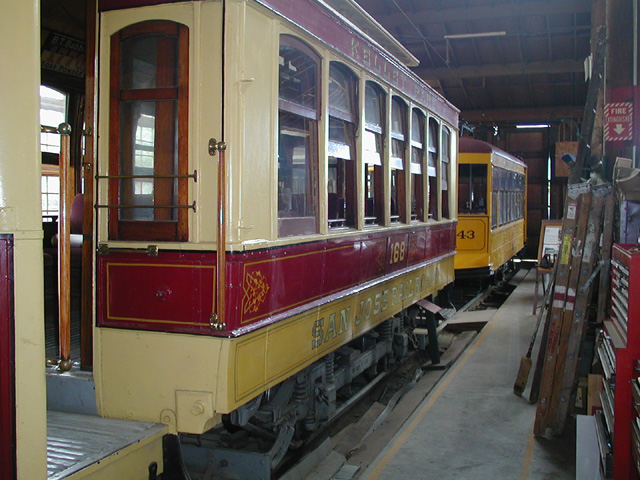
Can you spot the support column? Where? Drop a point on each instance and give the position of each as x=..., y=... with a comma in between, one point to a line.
x=20, y=217
x=619, y=71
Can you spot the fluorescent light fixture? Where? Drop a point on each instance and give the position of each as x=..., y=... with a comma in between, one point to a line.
x=539, y=125
x=475, y=35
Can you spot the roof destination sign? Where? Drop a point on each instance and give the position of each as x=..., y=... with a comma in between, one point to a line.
x=618, y=121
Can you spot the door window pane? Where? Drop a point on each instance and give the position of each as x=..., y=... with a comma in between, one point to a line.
x=472, y=189
x=150, y=107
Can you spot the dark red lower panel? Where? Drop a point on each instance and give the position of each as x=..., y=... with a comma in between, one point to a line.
x=7, y=362
x=176, y=291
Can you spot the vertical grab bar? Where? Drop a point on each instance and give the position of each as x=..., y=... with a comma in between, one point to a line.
x=217, y=320
x=64, y=251
x=221, y=270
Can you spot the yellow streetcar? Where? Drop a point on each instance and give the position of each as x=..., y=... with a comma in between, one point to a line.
x=492, y=208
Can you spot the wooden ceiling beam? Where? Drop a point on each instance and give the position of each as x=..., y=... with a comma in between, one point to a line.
x=515, y=9
x=512, y=115
x=498, y=70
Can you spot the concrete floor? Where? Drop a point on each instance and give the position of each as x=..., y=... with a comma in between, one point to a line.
x=472, y=425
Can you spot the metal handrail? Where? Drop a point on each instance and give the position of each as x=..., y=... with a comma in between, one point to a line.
x=192, y=206
x=48, y=129
x=193, y=175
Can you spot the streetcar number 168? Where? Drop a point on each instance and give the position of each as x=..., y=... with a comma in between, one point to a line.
x=398, y=251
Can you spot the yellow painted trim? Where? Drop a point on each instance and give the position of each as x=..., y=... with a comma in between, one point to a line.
x=264, y=358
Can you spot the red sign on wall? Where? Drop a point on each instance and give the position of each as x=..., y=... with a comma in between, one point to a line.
x=618, y=121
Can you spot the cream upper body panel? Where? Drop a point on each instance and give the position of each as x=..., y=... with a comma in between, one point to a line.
x=233, y=97
x=204, y=21
x=251, y=105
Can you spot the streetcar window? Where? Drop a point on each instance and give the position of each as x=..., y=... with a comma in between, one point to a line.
x=50, y=192
x=502, y=201
x=398, y=139
x=341, y=181
x=494, y=196
x=510, y=198
x=446, y=157
x=513, y=207
x=504, y=196
x=432, y=166
x=373, y=155
x=299, y=73
x=521, y=195
x=472, y=188
x=53, y=112
x=149, y=84
x=417, y=156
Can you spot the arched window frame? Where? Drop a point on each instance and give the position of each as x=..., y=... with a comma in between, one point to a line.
x=418, y=146
x=433, y=167
x=298, y=211
x=445, y=172
x=399, y=137
x=341, y=150
x=373, y=152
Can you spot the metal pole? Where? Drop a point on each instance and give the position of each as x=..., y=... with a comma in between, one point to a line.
x=64, y=251
x=635, y=67
x=221, y=259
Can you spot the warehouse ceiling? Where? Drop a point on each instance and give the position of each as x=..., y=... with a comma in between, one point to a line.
x=497, y=60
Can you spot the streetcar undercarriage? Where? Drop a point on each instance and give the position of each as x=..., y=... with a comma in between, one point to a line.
x=257, y=436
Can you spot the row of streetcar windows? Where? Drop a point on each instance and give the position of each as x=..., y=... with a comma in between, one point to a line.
x=507, y=195
x=299, y=156
x=148, y=178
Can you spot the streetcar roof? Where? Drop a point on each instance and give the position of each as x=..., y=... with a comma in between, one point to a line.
x=358, y=16
x=471, y=145
x=348, y=10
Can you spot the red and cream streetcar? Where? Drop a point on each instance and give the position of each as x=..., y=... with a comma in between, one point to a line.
x=273, y=191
